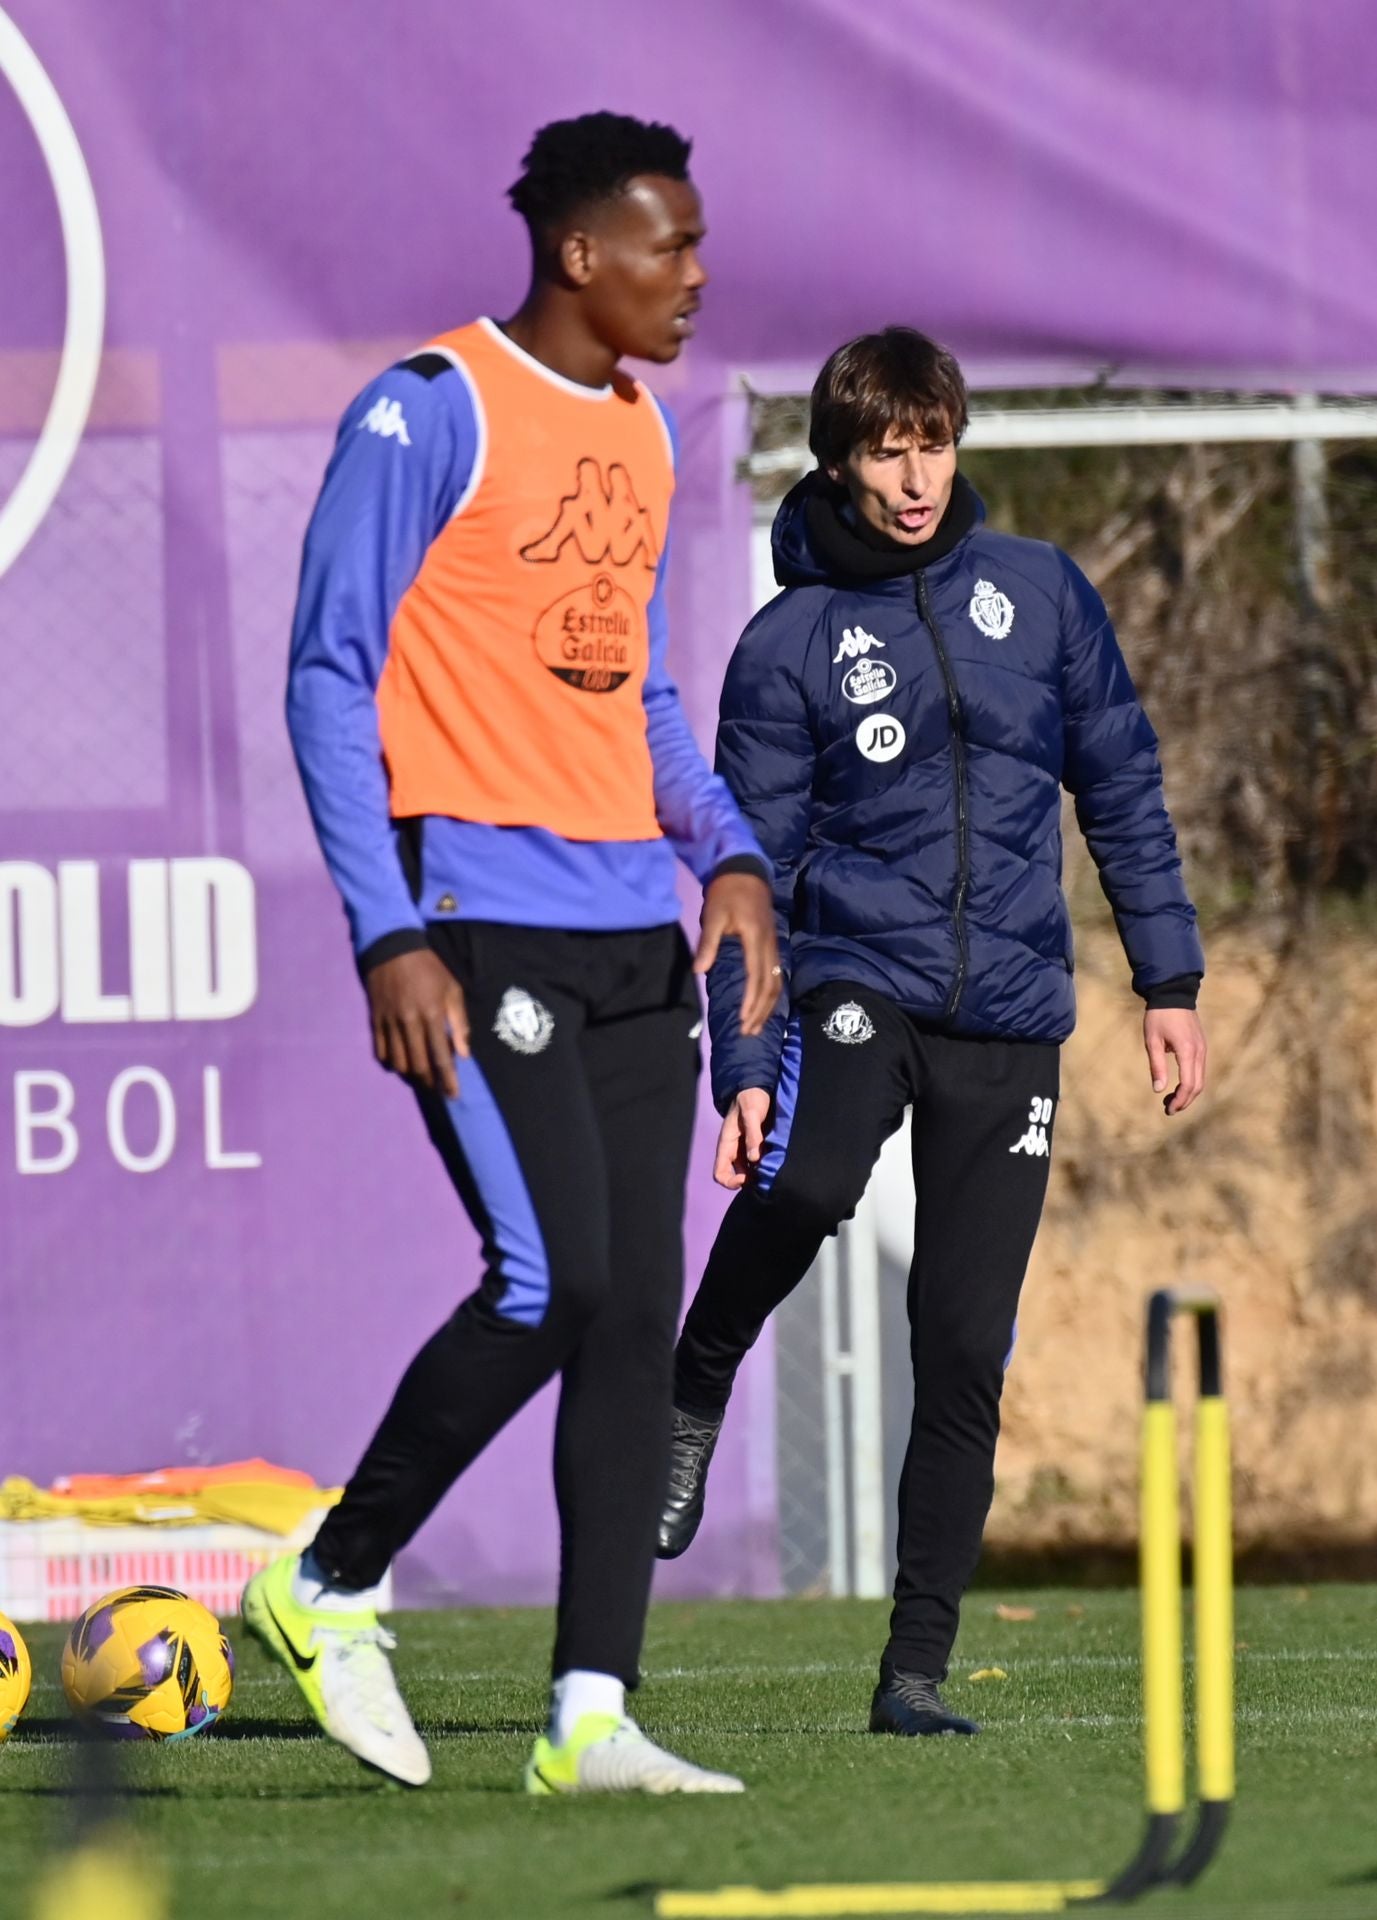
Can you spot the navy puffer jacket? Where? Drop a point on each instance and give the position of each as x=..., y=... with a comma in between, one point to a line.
x=900, y=745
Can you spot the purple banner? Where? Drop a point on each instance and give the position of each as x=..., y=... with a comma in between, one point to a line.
x=221, y=1230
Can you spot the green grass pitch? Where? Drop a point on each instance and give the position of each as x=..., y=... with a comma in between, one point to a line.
x=263, y=1817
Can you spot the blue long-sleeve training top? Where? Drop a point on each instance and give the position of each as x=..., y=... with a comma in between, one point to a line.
x=413, y=459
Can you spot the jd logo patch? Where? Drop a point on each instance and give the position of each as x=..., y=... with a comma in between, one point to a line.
x=522, y=1023
x=849, y=1024
x=991, y=610
x=880, y=737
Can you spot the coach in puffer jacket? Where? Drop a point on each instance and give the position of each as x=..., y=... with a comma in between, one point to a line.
x=898, y=726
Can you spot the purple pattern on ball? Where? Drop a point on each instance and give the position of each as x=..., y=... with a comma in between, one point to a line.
x=229, y=1655
x=155, y=1660
x=7, y=1651
x=99, y=1628
x=125, y=1730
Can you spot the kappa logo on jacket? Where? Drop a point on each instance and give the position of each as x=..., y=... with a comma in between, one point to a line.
x=854, y=642
x=849, y=1024
x=991, y=610
x=522, y=1023
x=1034, y=1140
x=385, y=417
x=604, y=519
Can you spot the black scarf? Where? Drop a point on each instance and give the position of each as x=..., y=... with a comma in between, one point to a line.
x=843, y=548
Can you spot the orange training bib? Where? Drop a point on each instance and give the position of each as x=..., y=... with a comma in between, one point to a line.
x=512, y=692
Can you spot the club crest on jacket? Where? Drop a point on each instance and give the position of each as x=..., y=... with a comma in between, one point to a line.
x=991, y=610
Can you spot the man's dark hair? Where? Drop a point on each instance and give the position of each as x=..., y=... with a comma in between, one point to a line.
x=898, y=381
x=576, y=163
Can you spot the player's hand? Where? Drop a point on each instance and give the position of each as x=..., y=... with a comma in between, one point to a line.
x=419, y=1019
x=1178, y=1031
x=739, y=905
x=742, y=1139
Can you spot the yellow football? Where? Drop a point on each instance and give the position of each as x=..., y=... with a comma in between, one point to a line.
x=16, y=1675
x=147, y=1663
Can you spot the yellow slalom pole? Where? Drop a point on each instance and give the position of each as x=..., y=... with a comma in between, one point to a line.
x=832, y=1902
x=1163, y=1717
x=1214, y=1602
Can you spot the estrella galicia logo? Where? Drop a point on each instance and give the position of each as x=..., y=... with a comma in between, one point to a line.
x=603, y=518
x=868, y=681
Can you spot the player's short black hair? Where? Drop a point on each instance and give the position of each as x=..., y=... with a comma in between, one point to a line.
x=576, y=163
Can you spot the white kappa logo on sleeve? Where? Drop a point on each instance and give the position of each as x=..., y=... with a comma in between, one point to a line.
x=385, y=417
x=991, y=610
x=522, y=1023
x=849, y=1024
x=881, y=737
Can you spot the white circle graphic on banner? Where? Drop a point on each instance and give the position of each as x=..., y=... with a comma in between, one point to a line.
x=880, y=737
x=60, y=435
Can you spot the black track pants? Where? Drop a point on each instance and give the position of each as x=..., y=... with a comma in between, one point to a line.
x=982, y=1114
x=569, y=1146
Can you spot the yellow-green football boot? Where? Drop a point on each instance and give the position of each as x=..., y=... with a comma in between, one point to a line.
x=607, y=1753
x=339, y=1661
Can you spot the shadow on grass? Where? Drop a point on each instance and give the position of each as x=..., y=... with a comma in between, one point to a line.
x=469, y=1729
x=66, y=1733
x=236, y=1729
x=1368, y=1879
x=241, y=1729
x=73, y=1791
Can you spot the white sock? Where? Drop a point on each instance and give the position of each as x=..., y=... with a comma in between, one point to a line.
x=311, y=1587
x=578, y=1692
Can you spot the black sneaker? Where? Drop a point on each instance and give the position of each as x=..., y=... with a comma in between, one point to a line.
x=690, y=1451
x=911, y=1705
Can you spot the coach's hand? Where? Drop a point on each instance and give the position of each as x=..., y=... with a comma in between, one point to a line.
x=742, y=1139
x=1175, y=1030
x=739, y=905
x=419, y=1019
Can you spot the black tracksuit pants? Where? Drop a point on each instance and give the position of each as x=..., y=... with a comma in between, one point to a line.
x=982, y=1113
x=568, y=1145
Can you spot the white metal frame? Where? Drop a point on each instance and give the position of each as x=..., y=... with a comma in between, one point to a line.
x=1107, y=424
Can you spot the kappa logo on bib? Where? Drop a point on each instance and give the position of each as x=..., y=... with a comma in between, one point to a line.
x=991, y=610
x=880, y=737
x=603, y=518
